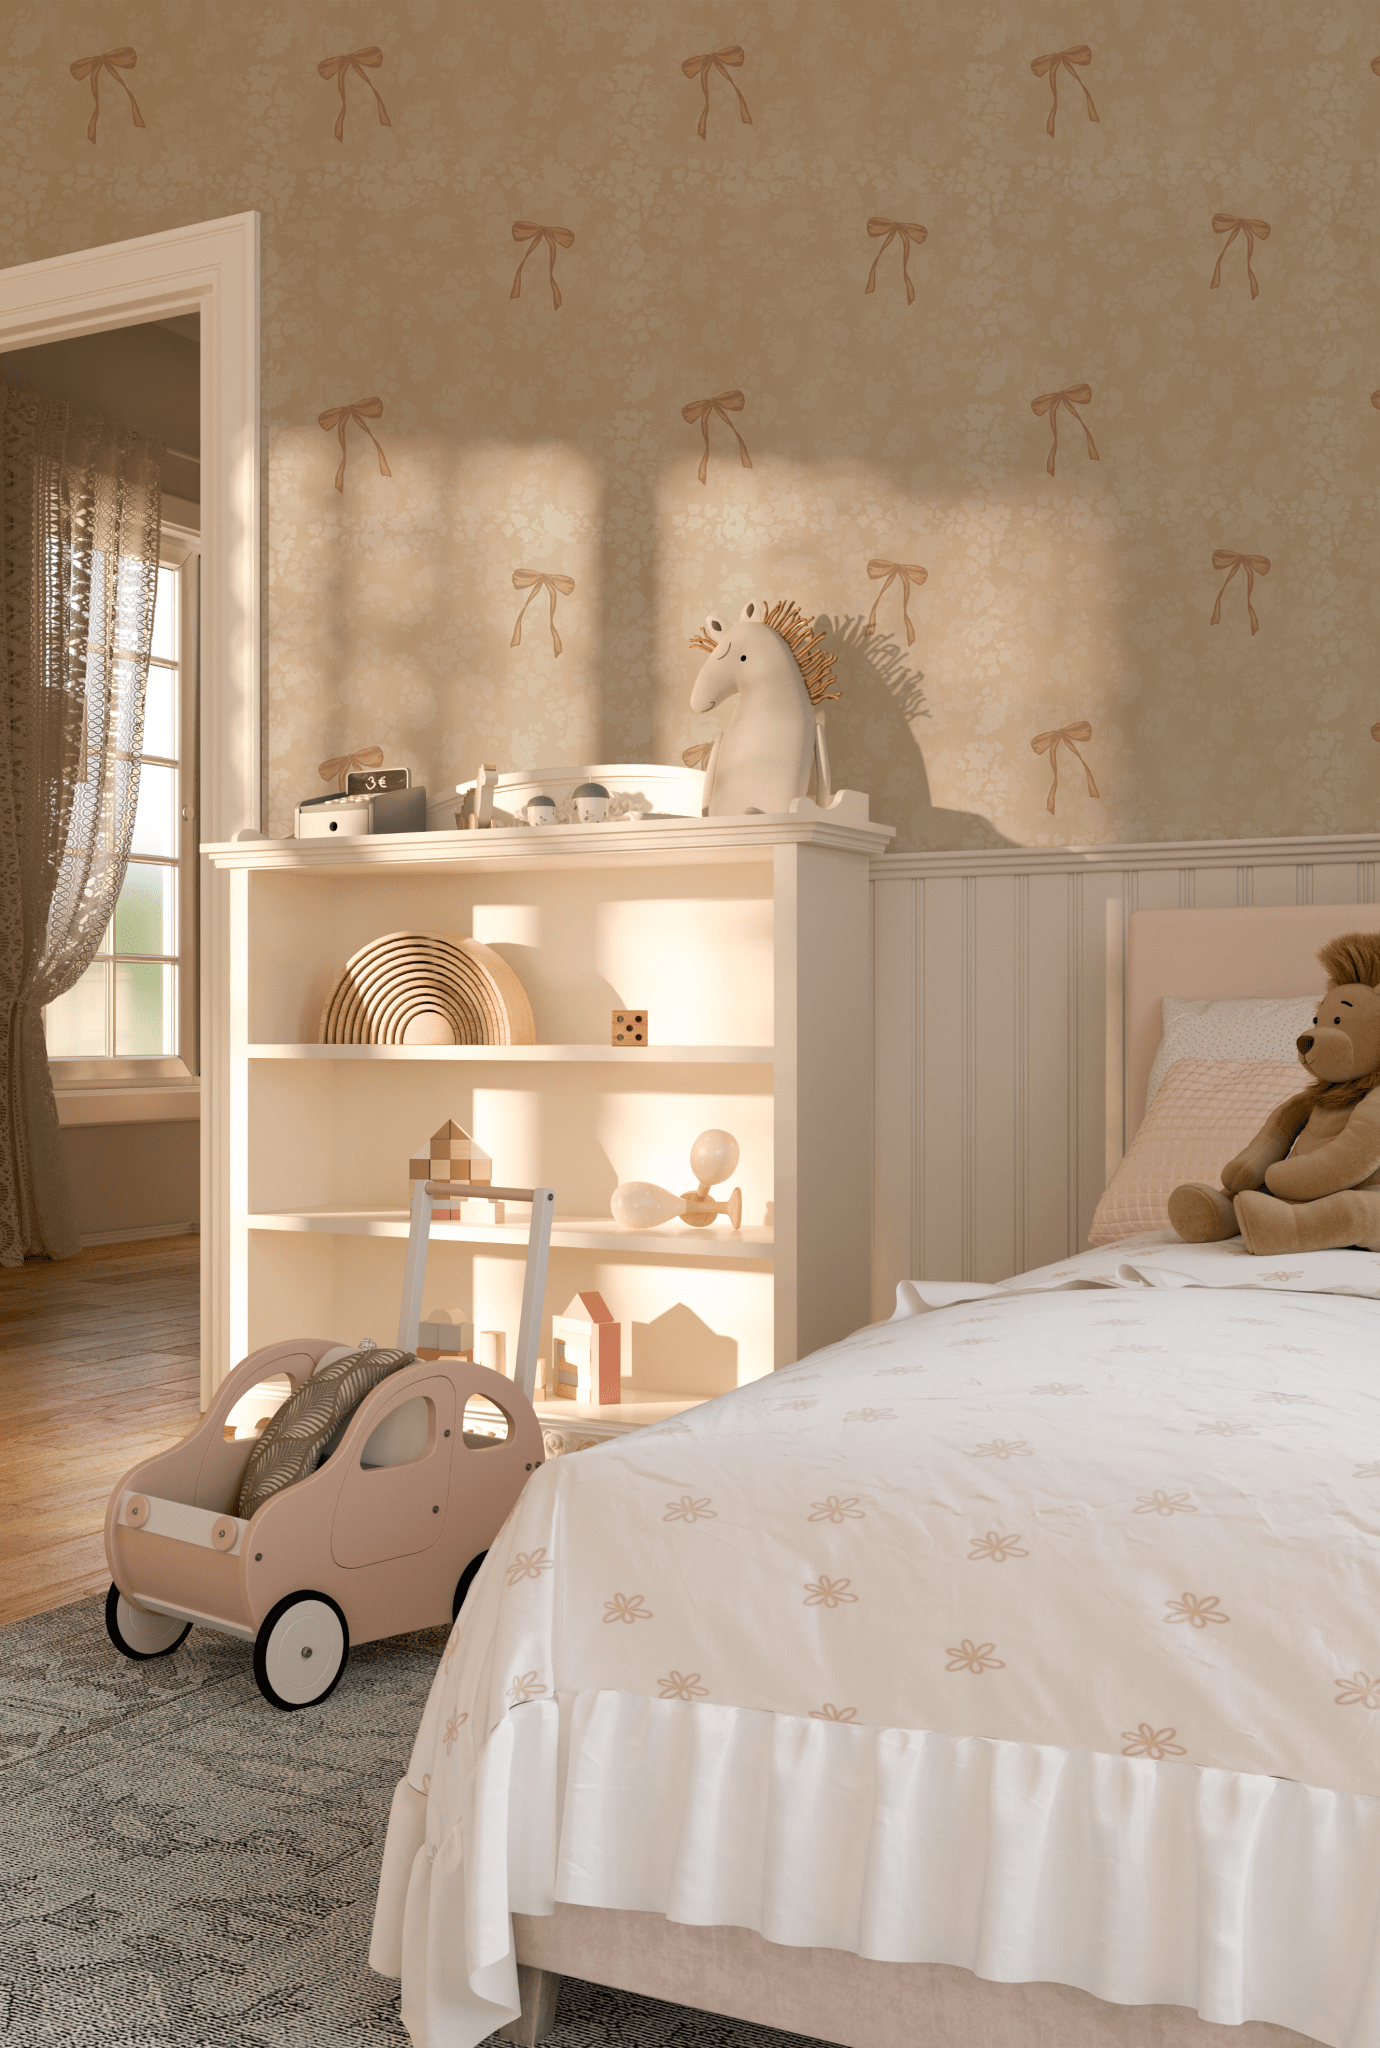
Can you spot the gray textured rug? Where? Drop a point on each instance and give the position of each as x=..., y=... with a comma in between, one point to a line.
x=181, y=1865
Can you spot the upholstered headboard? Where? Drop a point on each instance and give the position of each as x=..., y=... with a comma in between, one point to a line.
x=1269, y=951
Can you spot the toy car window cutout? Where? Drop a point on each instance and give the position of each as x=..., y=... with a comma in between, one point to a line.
x=486, y=1424
x=405, y=1434
x=253, y=1412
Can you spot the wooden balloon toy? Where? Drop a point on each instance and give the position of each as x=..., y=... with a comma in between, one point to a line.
x=641, y=1205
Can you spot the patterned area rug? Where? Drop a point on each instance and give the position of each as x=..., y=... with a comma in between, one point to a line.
x=182, y=1865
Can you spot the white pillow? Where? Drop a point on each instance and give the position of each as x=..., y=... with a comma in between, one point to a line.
x=1246, y=1028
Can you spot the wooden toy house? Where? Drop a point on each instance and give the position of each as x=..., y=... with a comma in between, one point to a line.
x=452, y=1154
x=585, y=1344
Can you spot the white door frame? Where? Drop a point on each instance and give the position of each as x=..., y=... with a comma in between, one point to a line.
x=210, y=268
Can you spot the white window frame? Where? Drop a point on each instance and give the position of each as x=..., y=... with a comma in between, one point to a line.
x=180, y=549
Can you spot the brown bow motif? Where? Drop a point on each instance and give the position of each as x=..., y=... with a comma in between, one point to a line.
x=1050, y=402
x=909, y=573
x=114, y=62
x=1050, y=743
x=699, y=411
x=532, y=232
x=1253, y=230
x=354, y=60
x=1048, y=67
x=361, y=412
x=339, y=765
x=1254, y=565
x=909, y=232
x=533, y=580
x=700, y=67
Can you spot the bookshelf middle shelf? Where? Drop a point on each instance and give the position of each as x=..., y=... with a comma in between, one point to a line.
x=537, y=1055
x=669, y=1241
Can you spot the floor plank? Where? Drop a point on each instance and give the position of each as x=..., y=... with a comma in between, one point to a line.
x=99, y=1367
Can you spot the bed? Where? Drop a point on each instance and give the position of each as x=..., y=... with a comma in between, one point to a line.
x=1009, y=1672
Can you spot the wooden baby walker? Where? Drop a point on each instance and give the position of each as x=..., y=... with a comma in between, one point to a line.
x=398, y=1499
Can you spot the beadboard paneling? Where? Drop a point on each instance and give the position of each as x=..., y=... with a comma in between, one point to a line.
x=992, y=983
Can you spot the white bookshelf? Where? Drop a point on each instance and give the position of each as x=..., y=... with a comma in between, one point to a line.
x=747, y=943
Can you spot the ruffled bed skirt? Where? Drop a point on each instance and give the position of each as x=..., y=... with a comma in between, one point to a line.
x=1244, y=1898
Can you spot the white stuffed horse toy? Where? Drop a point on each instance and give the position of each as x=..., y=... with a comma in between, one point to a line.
x=761, y=760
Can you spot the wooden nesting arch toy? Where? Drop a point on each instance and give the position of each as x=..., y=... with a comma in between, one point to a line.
x=399, y=1495
x=427, y=988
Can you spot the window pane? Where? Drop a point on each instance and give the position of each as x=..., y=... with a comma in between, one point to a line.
x=145, y=913
x=165, y=616
x=143, y=1010
x=160, y=713
x=155, y=827
x=75, y=1023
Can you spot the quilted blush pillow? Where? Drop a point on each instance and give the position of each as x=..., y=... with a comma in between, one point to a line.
x=1205, y=1111
x=305, y=1429
x=1234, y=1028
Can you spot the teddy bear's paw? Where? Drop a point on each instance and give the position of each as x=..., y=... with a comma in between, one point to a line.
x=1200, y=1214
x=1267, y=1225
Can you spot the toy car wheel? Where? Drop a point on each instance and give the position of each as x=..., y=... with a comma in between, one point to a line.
x=465, y=1582
x=301, y=1651
x=137, y=1633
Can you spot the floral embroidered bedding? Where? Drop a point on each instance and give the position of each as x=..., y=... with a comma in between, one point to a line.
x=1124, y=1511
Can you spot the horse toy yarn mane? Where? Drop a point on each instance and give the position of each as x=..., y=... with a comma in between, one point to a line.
x=772, y=662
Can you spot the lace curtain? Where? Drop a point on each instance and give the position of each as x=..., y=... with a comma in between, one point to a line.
x=79, y=524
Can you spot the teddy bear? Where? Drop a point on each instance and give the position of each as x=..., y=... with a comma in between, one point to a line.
x=1309, y=1180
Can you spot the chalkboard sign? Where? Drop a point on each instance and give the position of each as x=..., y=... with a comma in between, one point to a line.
x=370, y=781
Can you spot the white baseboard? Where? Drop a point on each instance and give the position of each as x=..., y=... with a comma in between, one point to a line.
x=141, y=1230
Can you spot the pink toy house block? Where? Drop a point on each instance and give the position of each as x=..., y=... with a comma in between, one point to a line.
x=585, y=1343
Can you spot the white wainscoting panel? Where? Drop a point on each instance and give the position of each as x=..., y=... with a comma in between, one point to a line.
x=996, y=1111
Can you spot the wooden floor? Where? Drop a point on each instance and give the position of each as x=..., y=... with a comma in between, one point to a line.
x=98, y=1367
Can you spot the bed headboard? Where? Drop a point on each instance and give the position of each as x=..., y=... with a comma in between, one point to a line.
x=1265, y=951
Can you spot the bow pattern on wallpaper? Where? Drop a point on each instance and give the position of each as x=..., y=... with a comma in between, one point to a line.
x=1048, y=67
x=698, y=411
x=533, y=580
x=354, y=60
x=339, y=766
x=700, y=67
x=1254, y=231
x=1050, y=743
x=337, y=417
x=909, y=232
x=532, y=233
x=1254, y=565
x=113, y=62
x=910, y=574
x=1050, y=402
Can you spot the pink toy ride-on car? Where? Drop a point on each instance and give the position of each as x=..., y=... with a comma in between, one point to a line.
x=389, y=1520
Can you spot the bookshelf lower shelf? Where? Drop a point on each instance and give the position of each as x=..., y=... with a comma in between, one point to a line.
x=670, y=1241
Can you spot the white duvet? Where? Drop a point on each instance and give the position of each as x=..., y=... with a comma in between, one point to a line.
x=1127, y=1508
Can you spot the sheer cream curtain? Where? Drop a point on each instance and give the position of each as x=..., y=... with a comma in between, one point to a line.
x=79, y=525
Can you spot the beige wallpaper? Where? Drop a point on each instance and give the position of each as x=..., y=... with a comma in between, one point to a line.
x=689, y=231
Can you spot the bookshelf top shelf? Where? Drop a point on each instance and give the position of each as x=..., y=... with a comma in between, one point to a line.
x=656, y=842
x=518, y=1055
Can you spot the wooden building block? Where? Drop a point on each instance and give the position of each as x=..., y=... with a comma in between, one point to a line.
x=493, y=1350
x=630, y=1027
x=445, y=1334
